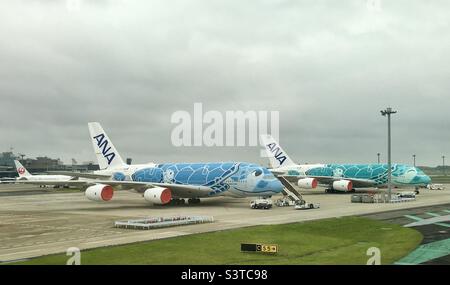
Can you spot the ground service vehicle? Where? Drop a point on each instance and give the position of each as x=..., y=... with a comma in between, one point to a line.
x=261, y=204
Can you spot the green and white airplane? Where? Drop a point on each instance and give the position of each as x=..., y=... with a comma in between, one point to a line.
x=340, y=177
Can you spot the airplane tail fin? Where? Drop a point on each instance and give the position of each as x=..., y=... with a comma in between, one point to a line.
x=277, y=156
x=107, y=155
x=21, y=170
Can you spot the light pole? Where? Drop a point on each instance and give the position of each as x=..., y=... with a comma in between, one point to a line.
x=414, y=158
x=388, y=112
x=443, y=164
x=378, y=154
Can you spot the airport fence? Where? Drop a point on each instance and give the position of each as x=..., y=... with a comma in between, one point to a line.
x=162, y=222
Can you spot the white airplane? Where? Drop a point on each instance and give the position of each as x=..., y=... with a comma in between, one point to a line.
x=25, y=175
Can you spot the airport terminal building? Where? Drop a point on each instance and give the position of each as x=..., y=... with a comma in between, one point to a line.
x=39, y=164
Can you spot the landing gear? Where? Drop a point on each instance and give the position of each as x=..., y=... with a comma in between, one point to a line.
x=193, y=201
x=180, y=201
x=330, y=190
x=177, y=202
x=417, y=190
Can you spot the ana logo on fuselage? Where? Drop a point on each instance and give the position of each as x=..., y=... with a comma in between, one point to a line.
x=278, y=154
x=102, y=144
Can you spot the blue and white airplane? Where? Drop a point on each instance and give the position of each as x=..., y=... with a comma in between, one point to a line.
x=340, y=177
x=162, y=183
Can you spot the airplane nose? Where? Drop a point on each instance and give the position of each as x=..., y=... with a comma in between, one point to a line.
x=422, y=179
x=277, y=187
x=272, y=185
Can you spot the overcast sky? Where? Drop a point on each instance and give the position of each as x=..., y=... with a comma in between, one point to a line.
x=328, y=67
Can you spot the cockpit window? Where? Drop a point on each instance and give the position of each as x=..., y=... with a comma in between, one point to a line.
x=257, y=172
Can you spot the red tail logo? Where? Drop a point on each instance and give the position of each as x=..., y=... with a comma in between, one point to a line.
x=21, y=170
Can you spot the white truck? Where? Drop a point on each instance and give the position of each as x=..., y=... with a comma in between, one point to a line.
x=261, y=204
x=435, y=187
x=407, y=194
x=304, y=205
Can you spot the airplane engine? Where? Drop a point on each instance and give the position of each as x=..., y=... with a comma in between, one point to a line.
x=158, y=195
x=307, y=183
x=99, y=193
x=343, y=185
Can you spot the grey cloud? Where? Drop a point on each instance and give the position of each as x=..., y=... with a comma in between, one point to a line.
x=328, y=67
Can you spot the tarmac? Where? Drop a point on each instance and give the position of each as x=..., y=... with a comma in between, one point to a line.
x=433, y=223
x=36, y=221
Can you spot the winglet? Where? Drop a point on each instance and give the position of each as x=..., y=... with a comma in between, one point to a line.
x=277, y=156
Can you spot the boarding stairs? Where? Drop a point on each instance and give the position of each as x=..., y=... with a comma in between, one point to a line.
x=289, y=191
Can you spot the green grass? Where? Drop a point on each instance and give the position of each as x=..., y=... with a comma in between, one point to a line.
x=330, y=241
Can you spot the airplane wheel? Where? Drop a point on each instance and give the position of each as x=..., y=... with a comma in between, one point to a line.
x=176, y=202
x=193, y=201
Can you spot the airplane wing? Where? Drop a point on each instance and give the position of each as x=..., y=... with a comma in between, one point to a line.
x=80, y=175
x=277, y=172
x=178, y=190
x=73, y=183
x=328, y=180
